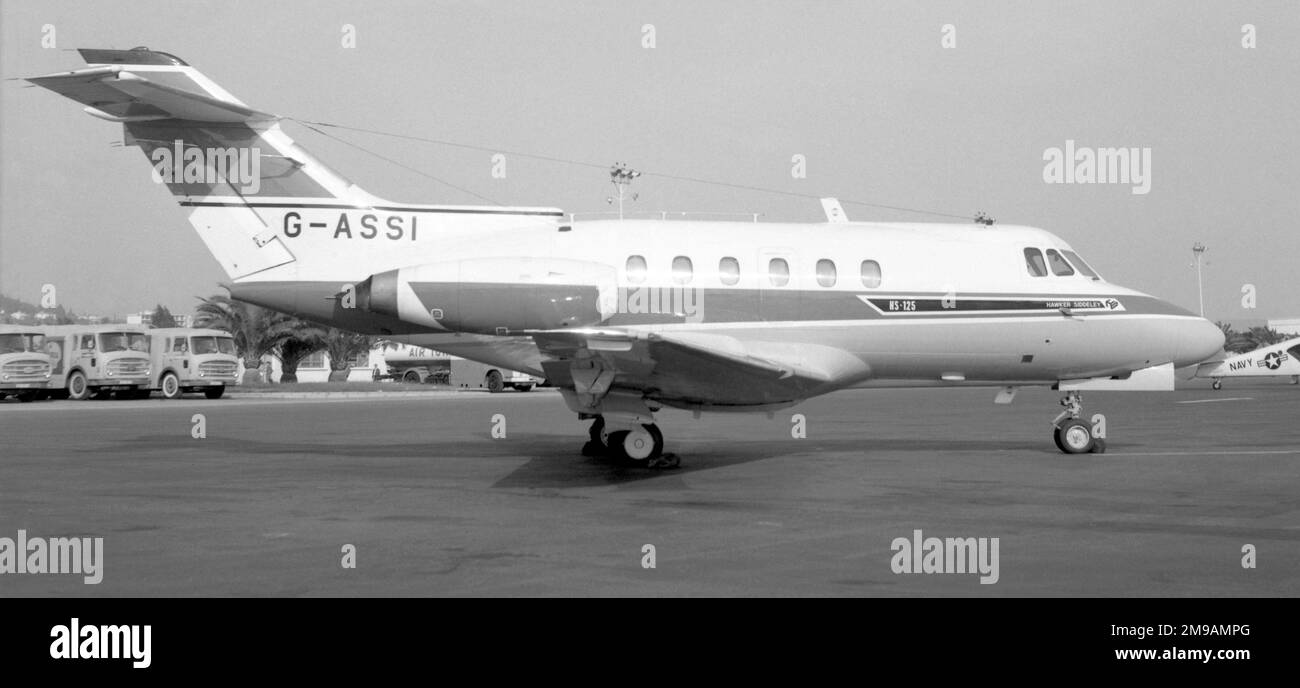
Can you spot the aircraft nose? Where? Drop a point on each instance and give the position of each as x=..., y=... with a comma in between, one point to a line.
x=1198, y=340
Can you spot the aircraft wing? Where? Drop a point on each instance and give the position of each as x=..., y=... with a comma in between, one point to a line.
x=114, y=93
x=693, y=368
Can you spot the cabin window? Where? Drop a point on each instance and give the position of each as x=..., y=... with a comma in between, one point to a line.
x=778, y=272
x=1034, y=262
x=1079, y=263
x=1060, y=266
x=179, y=345
x=683, y=271
x=635, y=269
x=826, y=272
x=870, y=274
x=88, y=341
x=729, y=270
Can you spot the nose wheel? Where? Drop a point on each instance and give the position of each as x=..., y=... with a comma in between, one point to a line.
x=1072, y=434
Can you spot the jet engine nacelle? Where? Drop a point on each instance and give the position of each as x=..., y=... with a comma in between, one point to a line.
x=495, y=295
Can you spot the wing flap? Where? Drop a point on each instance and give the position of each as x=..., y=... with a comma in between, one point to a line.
x=702, y=368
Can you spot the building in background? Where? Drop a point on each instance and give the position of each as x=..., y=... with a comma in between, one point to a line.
x=1287, y=326
x=146, y=318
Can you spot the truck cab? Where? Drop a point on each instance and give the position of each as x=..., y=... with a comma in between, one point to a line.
x=24, y=366
x=98, y=360
x=185, y=360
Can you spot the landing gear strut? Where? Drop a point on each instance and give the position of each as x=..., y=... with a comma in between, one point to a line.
x=641, y=445
x=1073, y=435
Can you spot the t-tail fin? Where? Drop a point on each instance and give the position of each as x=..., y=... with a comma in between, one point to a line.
x=214, y=153
x=247, y=186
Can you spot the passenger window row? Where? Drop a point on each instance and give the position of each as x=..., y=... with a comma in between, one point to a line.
x=778, y=271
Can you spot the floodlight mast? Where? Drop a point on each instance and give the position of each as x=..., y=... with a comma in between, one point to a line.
x=621, y=176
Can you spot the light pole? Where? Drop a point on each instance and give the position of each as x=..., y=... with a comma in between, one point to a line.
x=1198, y=250
x=621, y=176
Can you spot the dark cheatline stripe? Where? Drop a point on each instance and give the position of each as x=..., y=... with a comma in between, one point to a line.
x=716, y=306
x=903, y=305
x=388, y=208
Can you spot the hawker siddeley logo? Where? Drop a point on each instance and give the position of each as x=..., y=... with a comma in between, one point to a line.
x=1083, y=165
x=683, y=302
x=946, y=555
x=80, y=555
x=183, y=164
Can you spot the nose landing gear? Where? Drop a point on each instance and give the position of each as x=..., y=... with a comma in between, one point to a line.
x=1072, y=434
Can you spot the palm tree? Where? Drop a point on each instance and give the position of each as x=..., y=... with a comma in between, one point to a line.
x=302, y=340
x=1262, y=336
x=342, y=347
x=257, y=331
x=1233, y=341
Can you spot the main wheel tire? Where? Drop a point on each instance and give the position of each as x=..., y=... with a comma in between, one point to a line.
x=171, y=386
x=637, y=447
x=78, y=388
x=1074, y=437
x=495, y=381
x=214, y=392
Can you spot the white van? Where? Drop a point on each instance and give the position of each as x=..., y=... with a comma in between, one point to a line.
x=98, y=360
x=24, y=366
x=185, y=359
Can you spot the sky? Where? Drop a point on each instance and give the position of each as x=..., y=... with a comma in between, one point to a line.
x=730, y=91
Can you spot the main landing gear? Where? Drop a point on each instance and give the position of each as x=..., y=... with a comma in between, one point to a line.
x=1073, y=435
x=640, y=445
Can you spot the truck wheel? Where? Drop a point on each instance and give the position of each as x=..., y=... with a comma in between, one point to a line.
x=411, y=376
x=214, y=392
x=171, y=386
x=78, y=390
x=494, y=381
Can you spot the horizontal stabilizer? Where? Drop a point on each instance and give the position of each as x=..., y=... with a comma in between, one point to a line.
x=115, y=93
